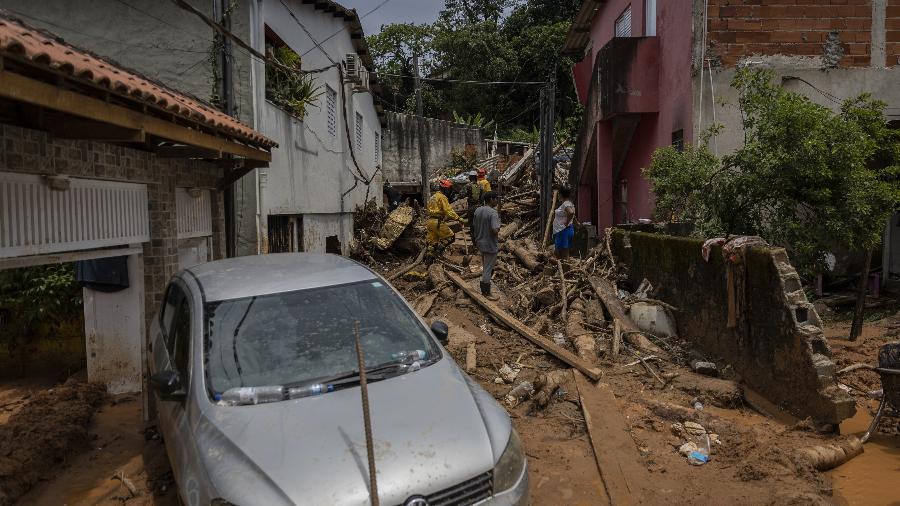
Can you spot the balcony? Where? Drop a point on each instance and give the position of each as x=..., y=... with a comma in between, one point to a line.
x=627, y=77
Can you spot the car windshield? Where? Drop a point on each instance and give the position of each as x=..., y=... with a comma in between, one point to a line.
x=298, y=337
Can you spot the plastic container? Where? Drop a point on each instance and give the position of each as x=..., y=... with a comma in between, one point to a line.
x=309, y=391
x=252, y=395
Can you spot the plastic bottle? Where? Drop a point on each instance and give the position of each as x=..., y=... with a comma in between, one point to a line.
x=252, y=395
x=309, y=391
x=701, y=455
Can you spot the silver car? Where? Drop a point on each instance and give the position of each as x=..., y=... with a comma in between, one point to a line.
x=254, y=370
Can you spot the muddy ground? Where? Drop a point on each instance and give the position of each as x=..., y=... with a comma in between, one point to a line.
x=69, y=445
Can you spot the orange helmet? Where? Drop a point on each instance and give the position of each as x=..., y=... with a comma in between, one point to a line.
x=482, y=172
x=445, y=183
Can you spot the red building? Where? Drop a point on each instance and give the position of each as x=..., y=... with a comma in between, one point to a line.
x=640, y=79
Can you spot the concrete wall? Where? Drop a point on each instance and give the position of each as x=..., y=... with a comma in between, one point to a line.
x=312, y=169
x=155, y=38
x=402, y=162
x=778, y=350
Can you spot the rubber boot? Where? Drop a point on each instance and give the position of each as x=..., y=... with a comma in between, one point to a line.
x=486, y=291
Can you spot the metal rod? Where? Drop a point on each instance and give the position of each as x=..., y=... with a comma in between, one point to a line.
x=367, y=421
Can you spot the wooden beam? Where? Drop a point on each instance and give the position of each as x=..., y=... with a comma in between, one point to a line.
x=614, y=451
x=526, y=331
x=186, y=152
x=607, y=293
x=72, y=128
x=39, y=93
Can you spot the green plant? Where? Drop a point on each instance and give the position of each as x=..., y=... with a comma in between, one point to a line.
x=473, y=120
x=38, y=295
x=807, y=178
x=286, y=86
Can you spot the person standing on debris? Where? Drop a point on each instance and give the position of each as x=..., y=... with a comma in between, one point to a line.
x=393, y=196
x=474, y=195
x=485, y=184
x=438, y=234
x=563, y=228
x=485, y=229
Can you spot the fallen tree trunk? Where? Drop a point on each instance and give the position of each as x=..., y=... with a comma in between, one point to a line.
x=546, y=385
x=526, y=332
x=581, y=339
x=509, y=229
x=525, y=256
x=607, y=293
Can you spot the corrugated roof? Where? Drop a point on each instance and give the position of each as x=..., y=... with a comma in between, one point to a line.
x=42, y=49
x=580, y=31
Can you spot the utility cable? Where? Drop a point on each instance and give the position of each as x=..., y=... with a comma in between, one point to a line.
x=310, y=35
x=326, y=39
x=461, y=81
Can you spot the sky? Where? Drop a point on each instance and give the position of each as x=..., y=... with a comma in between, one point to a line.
x=394, y=11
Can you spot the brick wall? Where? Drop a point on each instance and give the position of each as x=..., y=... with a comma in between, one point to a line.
x=839, y=30
x=892, y=32
x=35, y=152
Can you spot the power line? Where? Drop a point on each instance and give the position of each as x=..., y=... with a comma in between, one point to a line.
x=462, y=81
x=310, y=35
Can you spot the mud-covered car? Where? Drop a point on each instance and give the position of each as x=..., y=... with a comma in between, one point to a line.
x=256, y=383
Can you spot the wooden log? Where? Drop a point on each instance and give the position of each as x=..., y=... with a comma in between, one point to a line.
x=615, y=344
x=509, y=229
x=546, y=385
x=561, y=353
x=436, y=275
x=424, y=303
x=616, y=455
x=562, y=289
x=827, y=457
x=581, y=338
x=550, y=218
x=546, y=296
x=607, y=293
x=408, y=267
x=524, y=256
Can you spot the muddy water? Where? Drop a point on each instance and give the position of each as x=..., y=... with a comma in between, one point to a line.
x=872, y=478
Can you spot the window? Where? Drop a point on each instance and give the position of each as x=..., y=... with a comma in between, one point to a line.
x=377, y=148
x=650, y=18
x=331, y=108
x=359, y=130
x=182, y=336
x=623, y=24
x=174, y=296
x=678, y=140
x=286, y=87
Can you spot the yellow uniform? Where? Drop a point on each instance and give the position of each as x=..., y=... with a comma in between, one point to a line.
x=485, y=185
x=439, y=212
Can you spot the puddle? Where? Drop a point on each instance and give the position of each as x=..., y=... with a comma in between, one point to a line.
x=872, y=478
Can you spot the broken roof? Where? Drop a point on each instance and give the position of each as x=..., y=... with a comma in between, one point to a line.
x=41, y=49
x=580, y=31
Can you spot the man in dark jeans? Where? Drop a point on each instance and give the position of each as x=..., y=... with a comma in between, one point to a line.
x=485, y=229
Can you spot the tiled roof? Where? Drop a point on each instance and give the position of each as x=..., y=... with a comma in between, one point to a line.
x=43, y=50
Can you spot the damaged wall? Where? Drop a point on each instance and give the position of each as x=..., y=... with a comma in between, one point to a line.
x=780, y=351
x=400, y=146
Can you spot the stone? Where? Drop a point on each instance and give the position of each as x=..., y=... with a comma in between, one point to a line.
x=705, y=368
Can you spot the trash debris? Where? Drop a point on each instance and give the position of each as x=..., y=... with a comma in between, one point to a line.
x=508, y=374
x=521, y=392
x=705, y=368
x=652, y=319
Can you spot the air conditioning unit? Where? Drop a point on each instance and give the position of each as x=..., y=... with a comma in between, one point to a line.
x=362, y=84
x=353, y=66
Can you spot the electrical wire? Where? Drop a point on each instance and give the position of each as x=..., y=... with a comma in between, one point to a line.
x=829, y=96
x=462, y=81
x=310, y=35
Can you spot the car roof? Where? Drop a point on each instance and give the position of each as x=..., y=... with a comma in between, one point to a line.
x=255, y=275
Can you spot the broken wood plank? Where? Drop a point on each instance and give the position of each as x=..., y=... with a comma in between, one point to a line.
x=616, y=342
x=607, y=293
x=580, y=337
x=562, y=289
x=471, y=358
x=550, y=218
x=526, y=332
x=408, y=267
x=614, y=450
x=424, y=303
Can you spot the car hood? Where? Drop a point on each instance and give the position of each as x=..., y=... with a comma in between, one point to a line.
x=428, y=428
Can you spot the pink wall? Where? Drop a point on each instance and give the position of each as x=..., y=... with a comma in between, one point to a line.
x=674, y=21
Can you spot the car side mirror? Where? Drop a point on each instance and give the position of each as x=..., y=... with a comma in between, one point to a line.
x=441, y=332
x=168, y=385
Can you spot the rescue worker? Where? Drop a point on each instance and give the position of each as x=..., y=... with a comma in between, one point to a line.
x=485, y=184
x=485, y=229
x=439, y=235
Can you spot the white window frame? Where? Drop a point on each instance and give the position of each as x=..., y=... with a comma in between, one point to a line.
x=623, y=23
x=650, y=18
x=331, y=109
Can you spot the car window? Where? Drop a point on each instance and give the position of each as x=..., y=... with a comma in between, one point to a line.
x=181, y=334
x=174, y=296
x=295, y=337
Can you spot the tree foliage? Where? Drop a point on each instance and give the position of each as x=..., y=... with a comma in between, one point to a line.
x=806, y=177
x=38, y=295
x=481, y=40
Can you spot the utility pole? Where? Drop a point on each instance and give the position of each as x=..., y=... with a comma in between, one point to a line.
x=420, y=119
x=226, y=94
x=546, y=168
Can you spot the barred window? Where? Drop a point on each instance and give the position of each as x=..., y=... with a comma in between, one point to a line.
x=359, y=130
x=331, y=108
x=377, y=148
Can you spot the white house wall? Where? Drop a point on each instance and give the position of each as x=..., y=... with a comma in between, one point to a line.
x=311, y=168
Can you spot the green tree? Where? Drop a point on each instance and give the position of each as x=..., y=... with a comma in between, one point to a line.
x=35, y=295
x=806, y=177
